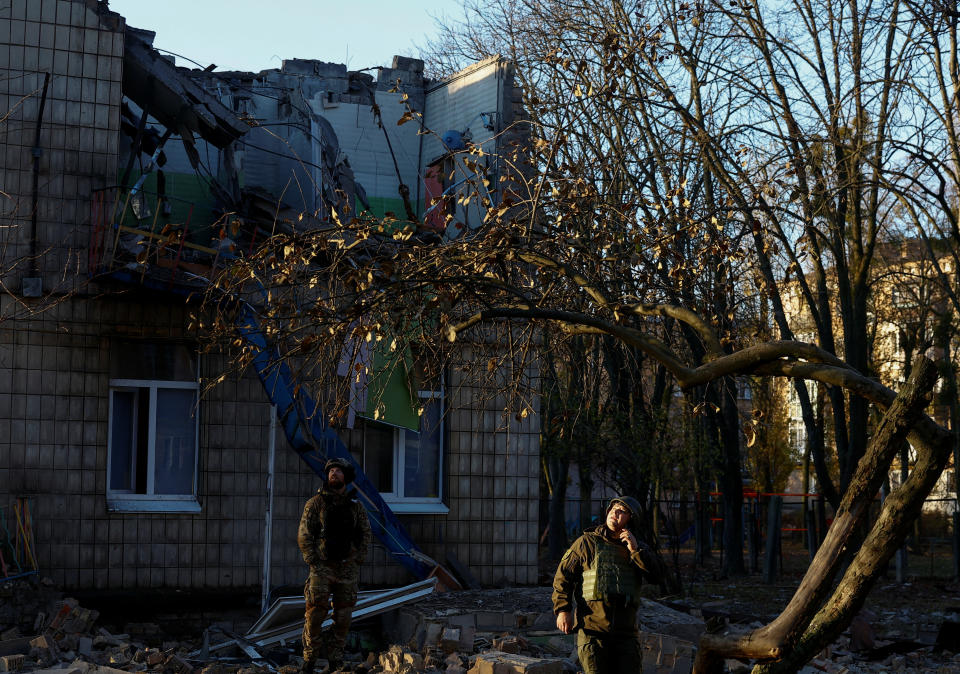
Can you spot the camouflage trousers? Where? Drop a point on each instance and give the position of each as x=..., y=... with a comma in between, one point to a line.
x=329, y=583
x=609, y=654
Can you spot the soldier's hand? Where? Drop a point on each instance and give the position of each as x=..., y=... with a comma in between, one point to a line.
x=628, y=538
x=565, y=622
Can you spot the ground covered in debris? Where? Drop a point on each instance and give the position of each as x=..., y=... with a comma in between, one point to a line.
x=909, y=627
x=897, y=631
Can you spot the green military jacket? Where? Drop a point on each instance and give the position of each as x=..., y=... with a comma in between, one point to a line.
x=603, y=606
x=333, y=529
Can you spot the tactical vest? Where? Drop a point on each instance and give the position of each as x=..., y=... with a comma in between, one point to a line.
x=610, y=573
x=338, y=529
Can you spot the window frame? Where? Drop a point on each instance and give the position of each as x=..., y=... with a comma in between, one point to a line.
x=128, y=501
x=420, y=505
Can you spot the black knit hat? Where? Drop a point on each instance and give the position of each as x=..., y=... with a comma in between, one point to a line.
x=349, y=472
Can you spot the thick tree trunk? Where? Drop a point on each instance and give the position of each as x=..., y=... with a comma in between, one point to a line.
x=733, y=564
x=899, y=511
x=778, y=640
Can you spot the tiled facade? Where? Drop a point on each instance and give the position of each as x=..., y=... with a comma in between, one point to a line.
x=55, y=371
x=54, y=380
x=83, y=53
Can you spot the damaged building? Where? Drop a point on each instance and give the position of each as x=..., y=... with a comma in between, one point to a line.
x=133, y=476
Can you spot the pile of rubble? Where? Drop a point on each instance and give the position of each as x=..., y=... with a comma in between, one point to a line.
x=503, y=631
x=480, y=632
x=44, y=632
x=513, y=631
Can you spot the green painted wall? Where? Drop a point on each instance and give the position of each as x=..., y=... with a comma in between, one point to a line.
x=191, y=204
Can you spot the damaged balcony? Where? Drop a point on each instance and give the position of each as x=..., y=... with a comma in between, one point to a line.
x=140, y=235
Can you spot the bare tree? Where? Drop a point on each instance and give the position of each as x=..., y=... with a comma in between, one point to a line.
x=685, y=148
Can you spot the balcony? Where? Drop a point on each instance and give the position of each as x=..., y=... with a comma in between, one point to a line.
x=159, y=241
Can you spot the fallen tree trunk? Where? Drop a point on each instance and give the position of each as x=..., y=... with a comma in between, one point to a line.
x=778, y=641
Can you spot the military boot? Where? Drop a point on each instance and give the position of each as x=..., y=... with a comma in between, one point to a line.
x=335, y=665
x=308, y=665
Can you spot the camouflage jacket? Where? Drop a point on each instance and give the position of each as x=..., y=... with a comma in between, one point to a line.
x=614, y=615
x=333, y=528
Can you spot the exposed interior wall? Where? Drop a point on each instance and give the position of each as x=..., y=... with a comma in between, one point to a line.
x=289, y=150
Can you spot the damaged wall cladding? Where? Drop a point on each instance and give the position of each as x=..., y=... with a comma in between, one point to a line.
x=81, y=383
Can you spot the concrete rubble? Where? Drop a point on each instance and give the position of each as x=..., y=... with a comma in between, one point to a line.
x=44, y=632
x=508, y=631
x=513, y=631
x=505, y=631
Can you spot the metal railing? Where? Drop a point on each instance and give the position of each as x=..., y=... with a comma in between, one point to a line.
x=134, y=233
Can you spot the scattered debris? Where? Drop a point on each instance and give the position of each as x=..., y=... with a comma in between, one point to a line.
x=502, y=631
x=676, y=620
x=498, y=662
x=68, y=643
x=283, y=621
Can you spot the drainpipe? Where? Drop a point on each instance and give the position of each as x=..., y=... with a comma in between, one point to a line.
x=268, y=526
x=32, y=287
x=421, y=169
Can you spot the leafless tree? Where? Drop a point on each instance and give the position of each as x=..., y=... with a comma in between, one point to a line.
x=687, y=150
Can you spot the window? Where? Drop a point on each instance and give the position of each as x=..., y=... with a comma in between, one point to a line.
x=901, y=297
x=153, y=431
x=405, y=466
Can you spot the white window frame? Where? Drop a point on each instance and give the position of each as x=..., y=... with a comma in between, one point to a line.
x=127, y=501
x=420, y=505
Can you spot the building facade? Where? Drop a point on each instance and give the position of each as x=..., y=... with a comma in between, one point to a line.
x=117, y=173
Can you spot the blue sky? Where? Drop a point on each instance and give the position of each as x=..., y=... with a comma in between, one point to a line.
x=248, y=35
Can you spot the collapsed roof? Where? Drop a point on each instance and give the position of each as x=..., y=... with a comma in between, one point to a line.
x=156, y=85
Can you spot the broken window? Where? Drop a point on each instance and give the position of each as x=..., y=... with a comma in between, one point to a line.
x=153, y=428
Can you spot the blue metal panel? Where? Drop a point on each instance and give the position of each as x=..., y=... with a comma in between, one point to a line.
x=315, y=442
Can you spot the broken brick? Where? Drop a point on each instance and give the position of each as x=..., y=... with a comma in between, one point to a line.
x=398, y=660
x=450, y=639
x=41, y=642
x=177, y=664
x=467, y=635
x=432, y=634
x=507, y=644
x=11, y=663
x=498, y=662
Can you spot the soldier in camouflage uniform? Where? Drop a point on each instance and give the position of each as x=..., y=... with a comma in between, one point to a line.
x=334, y=535
x=600, y=577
